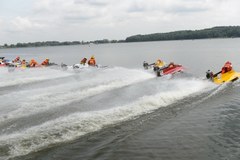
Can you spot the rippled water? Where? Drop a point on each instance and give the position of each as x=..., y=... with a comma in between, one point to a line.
x=121, y=111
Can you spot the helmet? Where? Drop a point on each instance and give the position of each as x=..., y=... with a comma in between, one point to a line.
x=228, y=62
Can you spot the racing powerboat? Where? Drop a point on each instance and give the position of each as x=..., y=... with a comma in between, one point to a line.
x=227, y=74
x=164, y=70
x=170, y=70
x=18, y=66
x=80, y=67
x=221, y=78
x=4, y=62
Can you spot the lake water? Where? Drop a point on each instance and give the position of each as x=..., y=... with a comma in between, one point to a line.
x=122, y=111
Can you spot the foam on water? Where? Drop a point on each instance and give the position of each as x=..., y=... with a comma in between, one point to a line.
x=29, y=75
x=73, y=126
x=42, y=99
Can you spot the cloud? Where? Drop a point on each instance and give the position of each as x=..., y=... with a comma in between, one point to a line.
x=23, y=24
x=93, y=2
x=114, y=19
x=66, y=12
x=1, y=22
x=105, y=12
x=169, y=6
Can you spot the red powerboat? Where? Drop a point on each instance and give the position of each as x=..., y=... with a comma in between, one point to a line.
x=170, y=69
x=4, y=62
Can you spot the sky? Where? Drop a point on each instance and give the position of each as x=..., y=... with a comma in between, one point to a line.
x=86, y=20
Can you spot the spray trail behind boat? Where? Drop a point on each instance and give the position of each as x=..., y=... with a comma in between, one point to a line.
x=147, y=94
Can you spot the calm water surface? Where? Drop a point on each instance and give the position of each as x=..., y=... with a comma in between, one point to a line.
x=123, y=111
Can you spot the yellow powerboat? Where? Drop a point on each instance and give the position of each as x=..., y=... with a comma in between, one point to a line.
x=230, y=76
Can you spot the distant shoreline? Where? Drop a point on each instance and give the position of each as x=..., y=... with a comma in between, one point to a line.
x=57, y=43
x=209, y=33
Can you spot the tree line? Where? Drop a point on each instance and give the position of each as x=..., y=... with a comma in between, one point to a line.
x=215, y=32
x=56, y=43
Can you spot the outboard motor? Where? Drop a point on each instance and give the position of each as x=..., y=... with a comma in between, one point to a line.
x=11, y=68
x=155, y=68
x=159, y=73
x=75, y=66
x=64, y=67
x=209, y=74
x=145, y=65
x=52, y=64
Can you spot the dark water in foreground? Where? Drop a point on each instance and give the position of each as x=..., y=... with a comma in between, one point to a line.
x=122, y=112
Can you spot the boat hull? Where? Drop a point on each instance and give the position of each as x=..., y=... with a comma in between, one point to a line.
x=170, y=70
x=230, y=76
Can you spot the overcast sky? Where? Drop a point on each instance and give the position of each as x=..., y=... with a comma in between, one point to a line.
x=69, y=20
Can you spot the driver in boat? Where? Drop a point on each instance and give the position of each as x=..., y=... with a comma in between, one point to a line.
x=45, y=62
x=159, y=63
x=171, y=65
x=33, y=63
x=92, y=61
x=24, y=63
x=227, y=67
x=17, y=60
x=83, y=61
x=1, y=61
